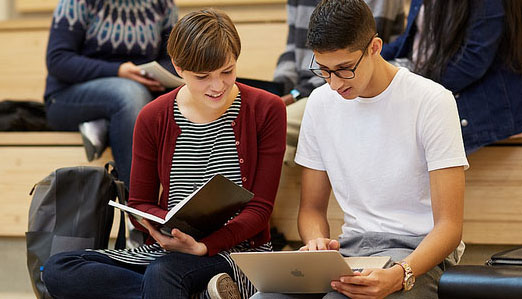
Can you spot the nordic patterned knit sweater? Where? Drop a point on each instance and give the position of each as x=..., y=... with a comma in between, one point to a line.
x=89, y=39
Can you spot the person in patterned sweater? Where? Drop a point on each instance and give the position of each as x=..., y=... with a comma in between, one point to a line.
x=93, y=81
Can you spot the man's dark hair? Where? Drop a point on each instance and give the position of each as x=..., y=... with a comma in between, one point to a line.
x=340, y=24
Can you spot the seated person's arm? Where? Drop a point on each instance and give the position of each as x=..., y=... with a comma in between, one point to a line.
x=144, y=181
x=64, y=60
x=312, y=219
x=479, y=48
x=447, y=200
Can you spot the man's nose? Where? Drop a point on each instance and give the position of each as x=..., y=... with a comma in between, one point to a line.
x=335, y=82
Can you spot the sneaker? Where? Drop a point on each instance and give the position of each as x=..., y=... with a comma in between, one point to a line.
x=221, y=286
x=94, y=137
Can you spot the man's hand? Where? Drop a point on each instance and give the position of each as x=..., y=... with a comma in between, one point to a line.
x=179, y=241
x=370, y=283
x=130, y=71
x=320, y=244
x=288, y=99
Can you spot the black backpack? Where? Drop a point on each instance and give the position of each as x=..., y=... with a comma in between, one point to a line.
x=23, y=116
x=70, y=211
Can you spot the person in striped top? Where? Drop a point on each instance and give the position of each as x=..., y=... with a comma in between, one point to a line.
x=210, y=125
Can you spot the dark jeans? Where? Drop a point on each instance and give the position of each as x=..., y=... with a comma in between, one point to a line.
x=116, y=99
x=89, y=274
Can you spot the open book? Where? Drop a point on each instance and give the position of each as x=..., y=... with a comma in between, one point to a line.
x=155, y=71
x=201, y=213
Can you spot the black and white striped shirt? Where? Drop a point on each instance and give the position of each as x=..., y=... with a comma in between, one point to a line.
x=202, y=150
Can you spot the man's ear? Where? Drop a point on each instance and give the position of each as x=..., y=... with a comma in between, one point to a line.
x=177, y=68
x=376, y=46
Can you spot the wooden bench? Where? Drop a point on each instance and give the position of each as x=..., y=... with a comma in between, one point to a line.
x=493, y=198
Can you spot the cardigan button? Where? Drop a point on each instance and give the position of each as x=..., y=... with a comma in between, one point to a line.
x=457, y=95
x=241, y=161
x=244, y=179
x=252, y=244
x=464, y=122
x=233, y=123
x=237, y=142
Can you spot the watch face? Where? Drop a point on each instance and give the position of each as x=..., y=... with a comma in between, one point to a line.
x=409, y=282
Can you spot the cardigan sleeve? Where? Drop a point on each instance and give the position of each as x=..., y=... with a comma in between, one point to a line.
x=144, y=181
x=262, y=179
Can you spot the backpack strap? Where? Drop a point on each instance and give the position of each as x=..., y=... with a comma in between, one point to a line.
x=122, y=193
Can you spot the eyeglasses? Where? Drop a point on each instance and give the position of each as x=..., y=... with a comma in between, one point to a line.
x=344, y=73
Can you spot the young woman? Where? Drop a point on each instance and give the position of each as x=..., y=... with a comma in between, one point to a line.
x=210, y=125
x=473, y=49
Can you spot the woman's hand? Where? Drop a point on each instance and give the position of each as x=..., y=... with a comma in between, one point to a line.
x=370, y=283
x=320, y=244
x=130, y=71
x=179, y=241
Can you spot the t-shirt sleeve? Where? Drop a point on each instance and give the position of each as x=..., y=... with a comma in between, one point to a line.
x=308, y=149
x=440, y=133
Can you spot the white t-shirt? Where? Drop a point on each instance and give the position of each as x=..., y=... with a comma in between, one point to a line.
x=378, y=151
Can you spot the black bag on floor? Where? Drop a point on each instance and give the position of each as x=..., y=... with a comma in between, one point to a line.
x=511, y=257
x=23, y=116
x=70, y=211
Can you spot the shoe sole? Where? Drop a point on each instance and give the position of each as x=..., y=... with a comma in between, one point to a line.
x=90, y=150
x=223, y=287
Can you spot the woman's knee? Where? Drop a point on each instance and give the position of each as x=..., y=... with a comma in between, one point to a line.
x=54, y=270
x=130, y=95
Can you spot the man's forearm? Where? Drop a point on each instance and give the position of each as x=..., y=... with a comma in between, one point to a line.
x=437, y=245
x=312, y=225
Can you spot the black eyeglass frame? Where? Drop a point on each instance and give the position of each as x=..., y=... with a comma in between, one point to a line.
x=319, y=72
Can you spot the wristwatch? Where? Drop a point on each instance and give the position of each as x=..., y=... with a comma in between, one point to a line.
x=409, y=278
x=296, y=94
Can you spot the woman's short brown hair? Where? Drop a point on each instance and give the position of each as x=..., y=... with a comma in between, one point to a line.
x=203, y=41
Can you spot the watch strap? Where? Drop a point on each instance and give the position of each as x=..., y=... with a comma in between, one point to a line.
x=409, y=278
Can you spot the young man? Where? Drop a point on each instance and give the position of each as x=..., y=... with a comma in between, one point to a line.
x=292, y=65
x=388, y=142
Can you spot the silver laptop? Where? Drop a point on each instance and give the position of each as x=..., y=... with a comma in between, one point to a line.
x=301, y=271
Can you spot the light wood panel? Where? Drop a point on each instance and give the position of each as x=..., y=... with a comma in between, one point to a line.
x=40, y=138
x=22, y=57
x=248, y=13
x=493, y=199
x=261, y=45
x=24, y=70
x=21, y=168
x=239, y=10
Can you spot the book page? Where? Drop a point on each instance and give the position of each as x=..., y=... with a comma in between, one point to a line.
x=155, y=71
x=136, y=213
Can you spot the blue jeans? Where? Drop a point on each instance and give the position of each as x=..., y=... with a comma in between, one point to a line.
x=116, y=99
x=90, y=274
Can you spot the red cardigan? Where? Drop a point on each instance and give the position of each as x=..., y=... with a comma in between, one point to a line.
x=260, y=131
